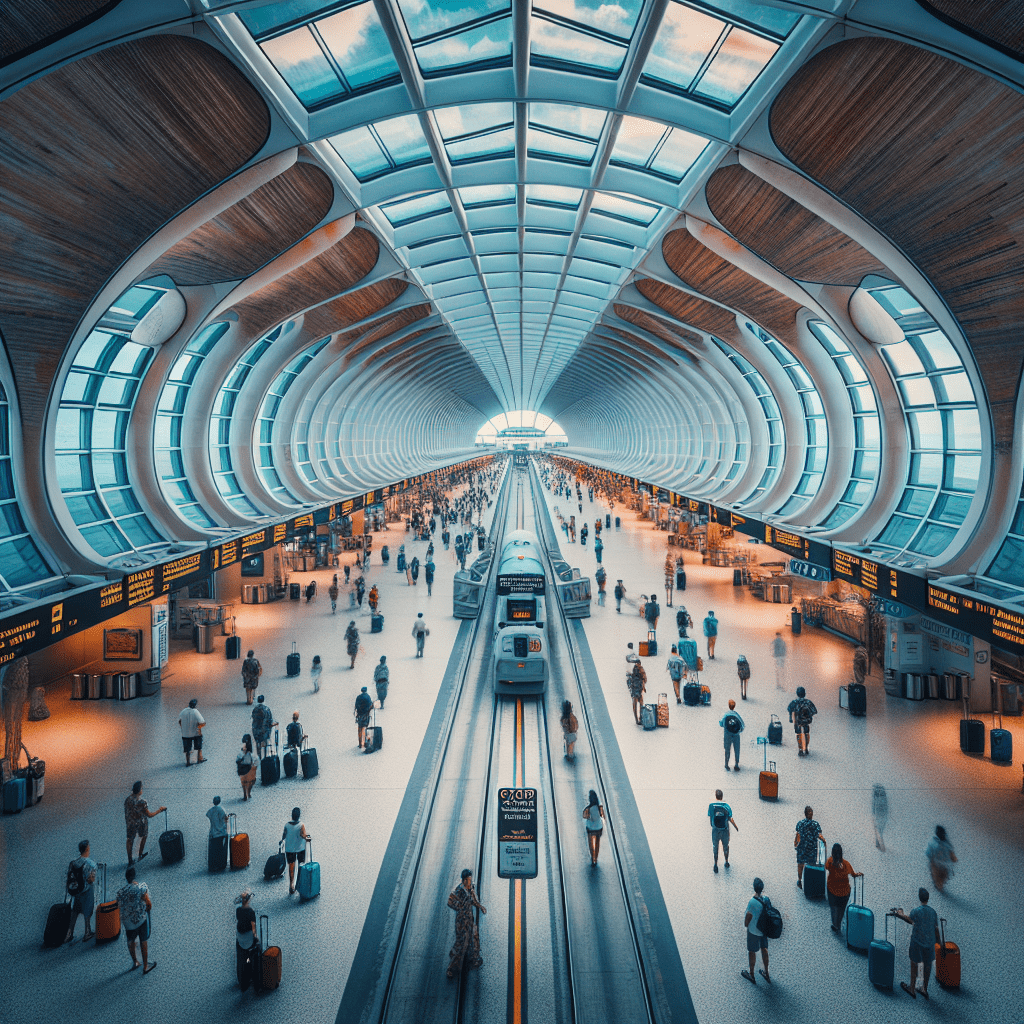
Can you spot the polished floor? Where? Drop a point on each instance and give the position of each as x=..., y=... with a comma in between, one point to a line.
x=95, y=750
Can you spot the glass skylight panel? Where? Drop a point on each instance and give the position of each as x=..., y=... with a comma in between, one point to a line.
x=651, y=146
x=423, y=205
x=489, y=44
x=595, y=270
x=772, y=19
x=500, y=262
x=446, y=271
x=554, y=195
x=501, y=280
x=480, y=195
x=587, y=33
x=385, y=146
x=612, y=205
x=449, y=34
x=741, y=58
x=542, y=262
x=355, y=39
x=271, y=17
x=685, y=39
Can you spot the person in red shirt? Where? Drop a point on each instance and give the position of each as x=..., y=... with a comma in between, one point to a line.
x=838, y=884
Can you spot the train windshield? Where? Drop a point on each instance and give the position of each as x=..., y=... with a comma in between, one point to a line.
x=522, y=610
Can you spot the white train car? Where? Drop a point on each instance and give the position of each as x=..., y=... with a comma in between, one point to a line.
x=520, y=642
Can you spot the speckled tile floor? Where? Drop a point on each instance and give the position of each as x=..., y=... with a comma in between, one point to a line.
x=911, y=748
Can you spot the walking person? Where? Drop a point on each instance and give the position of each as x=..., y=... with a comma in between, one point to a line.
x=676, y=667
x=247, y=950
x=251, y=672
x=294, y=838
x=756, y=939
x=711, y=633
x=721, y=817
x=879, y=813
x=364, y=705
x=420, y=632
x=598, y=547
x=192, y=722
x=620, y=593
x=602, y=579
x=218, y=829
x=923, y=940
x=245, y=763
x=683, y=621
x=414, y=570
x=262, y=723
x=463, y=900
x=314, y=672
x=294, y=733
x=839, y=873
x=360, y=591
x=352, y=643
x=570, y=725
x=428, y=575
x=134, y=904
x=332, y=593
x=637, y=683
x=374, y=598
x=593, y=815
x=805, y=842
x=801, y=712
x=136, y=818
x=779, y=654
x=584, y=533
x=652, y=612
x=743, y=671
x=79, y=886
x=941, y=858
x=381, y=678
x=732, y=726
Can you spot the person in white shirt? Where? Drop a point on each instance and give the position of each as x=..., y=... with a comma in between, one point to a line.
x=192, y=722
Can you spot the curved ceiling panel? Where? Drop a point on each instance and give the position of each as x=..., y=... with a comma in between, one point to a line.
x=386, y=326
x=94, y=158
x=687, y=308
x=784, y=233
x=1000, y=22
x=32, y=24
x=253, y=231
x=942, y=177
x=660, y=329
x=350, y=309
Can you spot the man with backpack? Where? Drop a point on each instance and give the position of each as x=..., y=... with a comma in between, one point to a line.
x=676, y=667
x=711, y=634
x=683, y=621
x=762, y=922
x=721, y=817
x=732, y=726
x=79, y=886
x=620, y=593
x=262, y=723
x=801, y=712
x=294, y=733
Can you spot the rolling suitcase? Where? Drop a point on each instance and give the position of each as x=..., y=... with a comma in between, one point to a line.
x=217, y=854
x=270, y=766
x=652, y=644
x=14, y=795
x=691, y=694
x=58, y=921
x=108, y=915
x=233, y=647
x=775, y=731
x=376, y=622
x=374, y=735
x=1000, y=742
x=270, y=960
x=308, y=881
x=276, y=863
x=239, y=845
x=814, y=875
x=293, y=664
x=645, y=649
x=844, y=698
x=291, y=763
x=882, y=959
x=662, y=710
x=858, y=699
x=310, y=762
x=172, y=844
x=860, y=922
x=768, y=781
x=947, y=960
x=649, y=716
x=972, y=732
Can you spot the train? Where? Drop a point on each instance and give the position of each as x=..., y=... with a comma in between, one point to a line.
x=520, y=662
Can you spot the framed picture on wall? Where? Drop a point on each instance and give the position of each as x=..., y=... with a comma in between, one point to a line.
x=122, y=645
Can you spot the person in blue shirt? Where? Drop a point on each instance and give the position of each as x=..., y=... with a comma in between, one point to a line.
x=711, y=632
x=721, y=817
x=81, y=877
x=923, y=940
x=732, y=726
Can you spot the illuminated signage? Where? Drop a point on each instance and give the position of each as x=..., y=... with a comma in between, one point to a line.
x=517, y=833
x=301, y=522
x=979, y=618
x=141, y=587
x=280, y=532
x=254, y=540
x=520, y=584
x=112, y=594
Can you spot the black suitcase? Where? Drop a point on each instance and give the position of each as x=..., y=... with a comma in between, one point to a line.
x=858, y=697
x=972, y=735
x=270, y=768
x=1000, y=742
x=775, y=731
x=276, y=863
x=293, y=665
x=291, y=763
x=680, y=579
x=233, y=647
x=310, y=762
x=172, y=844
x=58, y=921
x=691, y=694
x=814, y=875
x=374, y=735
x=217, y=856
x=376, y=622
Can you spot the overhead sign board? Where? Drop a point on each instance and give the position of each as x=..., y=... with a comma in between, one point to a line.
x=521, y=584
x=809, y=570
x=517, y=833
x=979, y=618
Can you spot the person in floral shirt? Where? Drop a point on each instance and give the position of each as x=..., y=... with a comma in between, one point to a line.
x=808, y=832
x=136, y=819
x=134, y=905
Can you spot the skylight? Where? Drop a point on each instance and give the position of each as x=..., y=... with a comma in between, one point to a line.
x=652, y=147
x=383, y=147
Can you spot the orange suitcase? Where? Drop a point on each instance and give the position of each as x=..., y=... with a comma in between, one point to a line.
x=662, y=712
x=644, y=649
x=947, y=960
x=238, y=844
x=768, y=783
x=108, y=915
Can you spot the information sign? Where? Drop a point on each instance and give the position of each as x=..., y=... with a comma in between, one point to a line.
x=517, y=833
x=520, y=584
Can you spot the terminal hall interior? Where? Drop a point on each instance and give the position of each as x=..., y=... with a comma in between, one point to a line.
x=505, y=344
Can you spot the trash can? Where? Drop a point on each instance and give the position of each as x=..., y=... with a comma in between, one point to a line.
x=737, y=577
x=294, y=591
x=608, y=521
x=618, y=522
x=797, y=620
x=150, y=682
x=203, y=637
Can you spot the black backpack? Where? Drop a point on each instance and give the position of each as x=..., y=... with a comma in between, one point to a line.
x=720, y=819
x=732, y=723
x=769, y=922
x=75, y=884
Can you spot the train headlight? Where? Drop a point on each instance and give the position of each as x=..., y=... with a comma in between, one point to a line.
x=534, y=645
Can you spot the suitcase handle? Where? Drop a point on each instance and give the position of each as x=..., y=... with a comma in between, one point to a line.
x=232, y=823
x=264, y=917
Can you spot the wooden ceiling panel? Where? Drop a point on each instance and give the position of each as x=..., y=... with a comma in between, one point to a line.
x=668, y=334
x=650, y=352
x=253, y=231
x=387, y=325
x=32, y=24
x=688, y=309
x=1000, y=22
x=784, y=233
x=938, y=168
x=94, y=157
x=350, y=309
x=706, y=272
x=335, y=270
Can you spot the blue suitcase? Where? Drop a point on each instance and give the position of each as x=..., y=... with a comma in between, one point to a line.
x=14, y=795
x=882, y=959
x=308, y=882
x=860, y=922
x=1000, y=743
x=814, y=875
x=649, y=716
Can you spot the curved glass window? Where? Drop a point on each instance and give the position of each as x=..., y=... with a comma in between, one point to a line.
x=867, y=433
x=522, y=426
x=590, y=34
x=945, y=430
x=653, y=147
x=268, y=418
x=453, y=35
x=170, y=467
x=21, y=562
x=1008, y=565
x=220, y=425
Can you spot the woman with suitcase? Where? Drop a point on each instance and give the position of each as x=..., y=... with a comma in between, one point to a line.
x=839, y=874
x=247, y=948
x=245, y=762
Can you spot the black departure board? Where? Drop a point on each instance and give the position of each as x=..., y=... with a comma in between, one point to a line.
x=976, y=616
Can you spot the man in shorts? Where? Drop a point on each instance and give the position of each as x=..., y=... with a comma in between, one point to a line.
x=136, y=819
x=192, y=722
x=756, y=939
x=808, y=832
x=732, y=726
x=923, y=940
x=721, y=817
x=134, y=905
x=676, y=667
x=801, y=712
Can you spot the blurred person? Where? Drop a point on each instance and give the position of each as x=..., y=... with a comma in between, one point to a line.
x=779, y=654
x=593, y=815
x=879, y=813
x=941, y=858
x=245, y=763
x=570, y=725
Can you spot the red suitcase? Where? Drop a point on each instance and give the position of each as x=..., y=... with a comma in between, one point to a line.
x=270, y=962
x=947, y=960
x=108, y=915
x=238, y=844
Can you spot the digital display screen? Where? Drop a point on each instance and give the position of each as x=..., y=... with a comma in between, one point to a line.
x=980, y=618
x=522, y=611
x=520, y=584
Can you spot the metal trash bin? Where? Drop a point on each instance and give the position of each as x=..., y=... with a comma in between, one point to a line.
x=294, y=591
x=797, y=620
x=203, y=637
x=78, y=691
x=109, y=686
x=931, y=689
x=150, y=683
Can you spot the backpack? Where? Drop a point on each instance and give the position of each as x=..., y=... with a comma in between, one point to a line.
x=75, y=884
x=743, y=669
x=803, y=714
x=732, y=723
x=619, y=592
x=720, y=819
x=769, y=922
x=710, y=627
x=294, y=734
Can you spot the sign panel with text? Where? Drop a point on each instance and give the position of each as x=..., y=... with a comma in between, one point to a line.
x=517, y=833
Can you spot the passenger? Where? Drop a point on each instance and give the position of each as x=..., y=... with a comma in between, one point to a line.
x=251, y=672
x=136, y=817
x=602, y=578
x=801, y=712
x=360, y=591
x=262, y=723
x=364, y=705
x=192, y=722
x=779, y=654
x=332, y=593
x=294, y=839
x=294, y=733
x=756, y=939
x=584, y=533
x=675, y=667
x=637, y=682
x=711, y=633
x=598, y=550
x=373, y=598
x=80, y=881
x=467, y=935
x=652, y=612
x=569, y=728
x=940, y=858
x=721, y=817
x=245, y=763
x=247, y=951
x=642, y=605
x=743, y=671
x=808, y=832
x=381, y=678
x=631, y=656
x=683, y=621
x=134, y=905
x=838, y=885
x=352, y=643
x=879, y=813
x=414, y=570
x=732, y=726
x=348, y=571
x=428, y=575
x=420, y=632
x=314, y=672
x=593, y=815
x=400, y=560
x=923, y=940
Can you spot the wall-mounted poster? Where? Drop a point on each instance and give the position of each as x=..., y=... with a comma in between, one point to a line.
x=122, y=645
